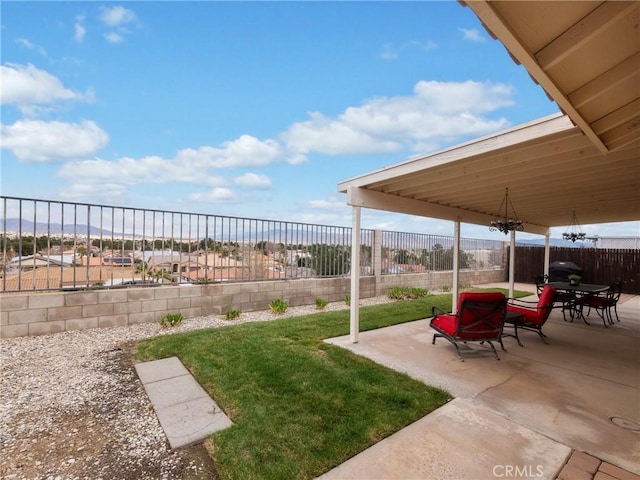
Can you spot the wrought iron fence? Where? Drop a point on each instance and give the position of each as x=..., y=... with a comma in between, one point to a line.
x=53, y=245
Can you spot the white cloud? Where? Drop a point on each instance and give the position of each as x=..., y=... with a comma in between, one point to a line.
x=79, y=31
x=116, y=16
x=189, y=166
x=245, y=151
x=118, y=19
x=217, y=195
x=334, y=137
x=331, y=203
x=315, y=218
x=472, y=34
x=435, y=114
x=252, y=180
x=89, y=193
x=391, y=52
x=32, y=46
x=114, y=37
x=26, y=85
x=37, y=141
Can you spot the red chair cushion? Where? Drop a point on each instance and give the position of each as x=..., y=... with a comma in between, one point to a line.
x=480, y=297
x=531, y=315
x=547, y=296
x=446, y=322
x=595, y=302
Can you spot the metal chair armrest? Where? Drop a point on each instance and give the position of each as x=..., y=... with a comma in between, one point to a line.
x=435, y=310
x=521, y=303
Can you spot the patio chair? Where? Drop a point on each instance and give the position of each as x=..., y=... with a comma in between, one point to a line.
x=540, y=281
x=479, y=318
x=563, y=300
x=533, y=314
x=604, y=304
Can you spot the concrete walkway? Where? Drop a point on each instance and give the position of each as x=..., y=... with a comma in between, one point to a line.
x=185, y=410
x=567, y=410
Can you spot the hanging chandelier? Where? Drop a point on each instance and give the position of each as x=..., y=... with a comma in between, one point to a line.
x=574, y=232
x=508, y=223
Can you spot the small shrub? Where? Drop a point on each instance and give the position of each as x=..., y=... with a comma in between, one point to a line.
x=407, y=293
x=321, y=303
x=278, y=305
x=446, y=288
x=347, y=299
x=231, y=314
x=171, y=320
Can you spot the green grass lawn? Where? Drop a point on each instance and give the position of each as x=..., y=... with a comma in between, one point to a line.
x=300, y=406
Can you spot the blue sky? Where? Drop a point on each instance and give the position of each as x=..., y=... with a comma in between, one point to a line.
x=250, y=109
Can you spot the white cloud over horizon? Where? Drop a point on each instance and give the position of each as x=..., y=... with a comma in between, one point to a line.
x=35, y=141
x=216, y=195
x=253, y=180
x=436, y=113
x=27, y=85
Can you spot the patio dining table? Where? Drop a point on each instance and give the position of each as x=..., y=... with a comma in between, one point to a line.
x=578, y=291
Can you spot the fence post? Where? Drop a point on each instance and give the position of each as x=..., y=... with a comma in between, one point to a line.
x=376, y=254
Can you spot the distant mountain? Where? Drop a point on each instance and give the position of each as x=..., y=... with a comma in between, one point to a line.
x=26, y=226
x=336, y=236
x=556, y=242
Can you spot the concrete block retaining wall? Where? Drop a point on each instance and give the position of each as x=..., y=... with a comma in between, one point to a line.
x=40, y=313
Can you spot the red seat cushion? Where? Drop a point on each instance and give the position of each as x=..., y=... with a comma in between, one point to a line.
x=596, y=302
x=446, y=322
x=530, y=314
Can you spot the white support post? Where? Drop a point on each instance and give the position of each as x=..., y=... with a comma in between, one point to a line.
x=456, y=266
x=512, y=262
x=354, y=310
x=547, y=250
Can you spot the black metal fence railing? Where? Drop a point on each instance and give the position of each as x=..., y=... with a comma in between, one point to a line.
x=54, y=245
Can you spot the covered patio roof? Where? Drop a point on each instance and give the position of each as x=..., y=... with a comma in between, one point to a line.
x=550, y=167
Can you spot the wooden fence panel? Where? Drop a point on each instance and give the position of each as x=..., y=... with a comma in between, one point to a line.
x=602, y=266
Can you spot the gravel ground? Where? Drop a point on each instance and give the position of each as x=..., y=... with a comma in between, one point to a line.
x=72, y=407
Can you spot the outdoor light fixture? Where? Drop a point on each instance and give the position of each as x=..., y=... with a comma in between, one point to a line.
x=506, y=224
x=574, y=232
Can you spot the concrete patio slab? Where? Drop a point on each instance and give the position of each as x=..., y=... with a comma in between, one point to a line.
x=459, y=440
x=581, y=392
x=186, y=412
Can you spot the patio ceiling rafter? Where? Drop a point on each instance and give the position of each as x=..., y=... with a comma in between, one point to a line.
x=584, y=54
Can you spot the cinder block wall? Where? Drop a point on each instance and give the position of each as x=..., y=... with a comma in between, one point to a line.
x=41, y=313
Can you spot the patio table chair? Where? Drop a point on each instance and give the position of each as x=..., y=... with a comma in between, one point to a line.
x=604, y=304
x=533, y=314
x=479, y=318
x=563, y=300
